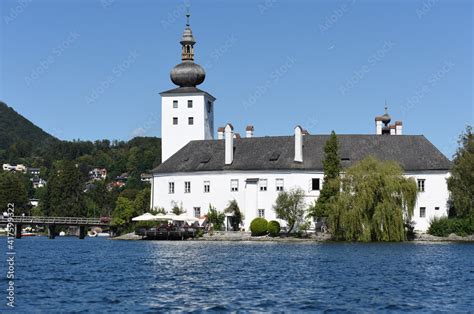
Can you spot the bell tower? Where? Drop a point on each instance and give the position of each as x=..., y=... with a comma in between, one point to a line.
x=187, y=112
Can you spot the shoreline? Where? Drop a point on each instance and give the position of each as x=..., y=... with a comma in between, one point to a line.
x=318, y=238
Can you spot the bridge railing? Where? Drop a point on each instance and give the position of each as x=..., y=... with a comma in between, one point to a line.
x=39, y=220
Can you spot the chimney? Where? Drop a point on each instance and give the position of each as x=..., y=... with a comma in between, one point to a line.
x=392, y=129
x=220, y=133
x=398, y=127
x=229, y=144
x=298, y=144
x=249, y=131
x=378, y=125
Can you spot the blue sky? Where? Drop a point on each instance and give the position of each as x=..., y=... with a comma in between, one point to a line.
x=93, y=69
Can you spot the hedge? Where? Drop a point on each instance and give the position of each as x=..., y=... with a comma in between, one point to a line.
x=444, y=226
x=274, y=228
x=259, y=227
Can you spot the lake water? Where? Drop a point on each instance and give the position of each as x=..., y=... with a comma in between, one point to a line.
x=100, y=275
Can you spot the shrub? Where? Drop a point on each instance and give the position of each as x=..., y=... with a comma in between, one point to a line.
x=259, y=227
x=274, y=228
x=444, y=226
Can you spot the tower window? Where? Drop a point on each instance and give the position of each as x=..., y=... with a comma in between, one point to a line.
x=175, y=121
x=191, y=121
x=175, y=104
x=190, y=103
x=421, y=185
x=209, y=107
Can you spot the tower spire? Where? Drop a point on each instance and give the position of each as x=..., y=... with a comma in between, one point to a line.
x=187, y=16
x=187, y=73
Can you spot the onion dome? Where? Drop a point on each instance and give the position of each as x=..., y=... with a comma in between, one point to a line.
x=386, y=117
x=187, y=73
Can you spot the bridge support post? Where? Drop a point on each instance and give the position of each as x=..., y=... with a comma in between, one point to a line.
x=18, y=228
x=82, y=232
x=51, y=231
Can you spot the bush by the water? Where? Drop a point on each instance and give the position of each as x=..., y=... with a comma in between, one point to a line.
x=444, y=226
x=259, y=227
x=273, y=228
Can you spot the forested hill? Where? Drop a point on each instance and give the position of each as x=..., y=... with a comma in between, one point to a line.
x=22, y=142
x=18, y=133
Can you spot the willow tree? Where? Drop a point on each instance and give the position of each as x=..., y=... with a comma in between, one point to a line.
x=375, y=203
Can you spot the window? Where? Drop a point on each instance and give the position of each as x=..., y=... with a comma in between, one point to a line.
x=191, y=121
x=422, y=212
x=234, y=185
x=209, y=107
x=190, y=103
x=175, y=121
x=171, y=187
x=280, y=185
x=421, y=185
x=315, y=184
x=187, y=187
x=175, y=104
x=436, y=208
x=261, y=213
x=263, y=184
x=207, y=186
x=197, y=212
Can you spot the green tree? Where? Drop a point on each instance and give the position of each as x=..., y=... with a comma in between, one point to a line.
x=290, y=206
x=65, y=191
x=142, y=201
x=123, y=214
x=461, y=182
x=215, y=217
x=237, y=215
x=177, y=209
x=331, y=185
x=375, y=204
x=13, y=190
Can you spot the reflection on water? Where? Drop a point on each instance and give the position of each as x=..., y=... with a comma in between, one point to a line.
x=100, y=275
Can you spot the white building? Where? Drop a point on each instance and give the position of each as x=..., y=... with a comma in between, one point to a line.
x=199, y=170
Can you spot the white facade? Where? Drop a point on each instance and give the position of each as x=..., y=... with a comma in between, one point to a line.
x=251, y=197
x=251, y=194
x=181, y=124
x=433, y=196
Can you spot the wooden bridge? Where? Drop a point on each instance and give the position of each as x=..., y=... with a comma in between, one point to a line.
x=52, y=222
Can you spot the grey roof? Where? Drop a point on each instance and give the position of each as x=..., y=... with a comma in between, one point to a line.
x=186, y=90
x=412, y=152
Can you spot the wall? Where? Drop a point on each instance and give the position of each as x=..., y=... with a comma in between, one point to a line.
x=221, y=193
x=175, y=137
x=435, y=195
